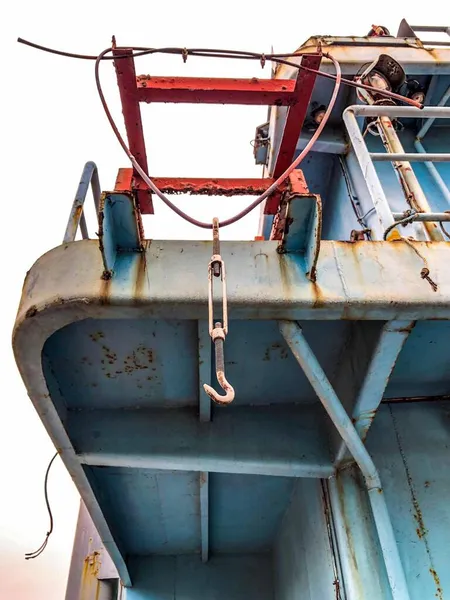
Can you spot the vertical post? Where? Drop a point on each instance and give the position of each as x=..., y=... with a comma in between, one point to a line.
x=374, y=186
x=92, y=575
x=337, y=413
x=413, y=191
x=204, y=372
x=296, y=114
x=434, y=172
x=126, y=80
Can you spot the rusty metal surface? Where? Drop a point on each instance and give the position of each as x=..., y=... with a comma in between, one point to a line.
x=126, y=80
x=211, y=90
x=296, y=115
x=276, y=287
x=354, y=52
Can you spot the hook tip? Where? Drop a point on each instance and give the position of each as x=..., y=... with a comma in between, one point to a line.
x=217, y=398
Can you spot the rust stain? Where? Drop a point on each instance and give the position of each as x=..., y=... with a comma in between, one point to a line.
x=105, y=288
x=421, y=530
x=141, y=271
x=110, y=355
x=139, y=359
x=350, y=543
x=285, y=277
x=319, y=301
x=435, y=576
x=96, y=336
x=31, y=312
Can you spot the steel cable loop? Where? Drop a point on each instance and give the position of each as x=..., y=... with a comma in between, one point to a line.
x=255, y=203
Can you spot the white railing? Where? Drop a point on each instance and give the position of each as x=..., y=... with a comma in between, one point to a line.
x=386, y=217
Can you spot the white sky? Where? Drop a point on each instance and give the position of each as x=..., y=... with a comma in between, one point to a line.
x=52, y=123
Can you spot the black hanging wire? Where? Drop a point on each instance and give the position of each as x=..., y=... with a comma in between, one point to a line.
x=43, y=546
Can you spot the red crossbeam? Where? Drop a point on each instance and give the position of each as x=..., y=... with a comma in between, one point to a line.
x=210, y=90
x=199, y=186
x=295, y=94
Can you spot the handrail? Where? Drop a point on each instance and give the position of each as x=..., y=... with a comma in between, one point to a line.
x=77, y=218
x=365, y=158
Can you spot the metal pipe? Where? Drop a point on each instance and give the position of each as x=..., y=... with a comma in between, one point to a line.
x=374, y=186
x=77, y=218
x=431, y=28
x=423, y=217
x=434, y=173
x=375, y=110
x=429, y=122
x=409, y=156
x=301, y=350
x=413, y=191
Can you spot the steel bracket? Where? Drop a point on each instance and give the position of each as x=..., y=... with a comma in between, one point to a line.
x=120, y=228
x=298, y=227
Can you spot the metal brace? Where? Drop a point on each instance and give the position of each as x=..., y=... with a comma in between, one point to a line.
x=218, y=330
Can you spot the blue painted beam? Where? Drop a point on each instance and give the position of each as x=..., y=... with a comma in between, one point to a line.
x=270, y=440
x=368, y=363
x=354, y=281
x=204, y=514
x=331, y=141
x=204, y=369
x=204, y=372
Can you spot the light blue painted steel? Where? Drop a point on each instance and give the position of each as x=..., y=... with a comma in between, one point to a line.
x=302, y=352
x=261, y=284
x=383, y=358
x=303, y=230
x=364, y=575
x=238, y=577
x=423, y=366
x=429, y=122
x=303, y=560
x=246, y=511
x=410, y=445
x=204, y=369
x=278, y=440
x=204, y=514
x=150, y=511
x=89, y=177
x=434, y=172
x=331, y=141
x=120, y=228
x=374, y=187
x=205, y=376
x=125, y=363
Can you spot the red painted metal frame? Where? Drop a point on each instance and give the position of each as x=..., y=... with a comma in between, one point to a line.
x=296, y=114
x=210, y=90
x=126, y=80
x=295, y=94
x=199, y=186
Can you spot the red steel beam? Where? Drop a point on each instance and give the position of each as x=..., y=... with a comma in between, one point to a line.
x=296, y=115
x=126, y=80
x=200, y=186
x=210, y=90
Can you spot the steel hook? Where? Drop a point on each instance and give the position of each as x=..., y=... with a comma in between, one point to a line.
x=218, y=336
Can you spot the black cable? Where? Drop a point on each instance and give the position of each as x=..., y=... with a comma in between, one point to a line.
x=410, y=216
x=218, y=53
x=444, y=231
x=41, y=549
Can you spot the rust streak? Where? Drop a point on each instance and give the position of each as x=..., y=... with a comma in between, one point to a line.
x=141, y=272
x=421, y=530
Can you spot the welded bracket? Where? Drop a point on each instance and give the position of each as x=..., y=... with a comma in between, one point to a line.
x=120, y=228
x=298, y=227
